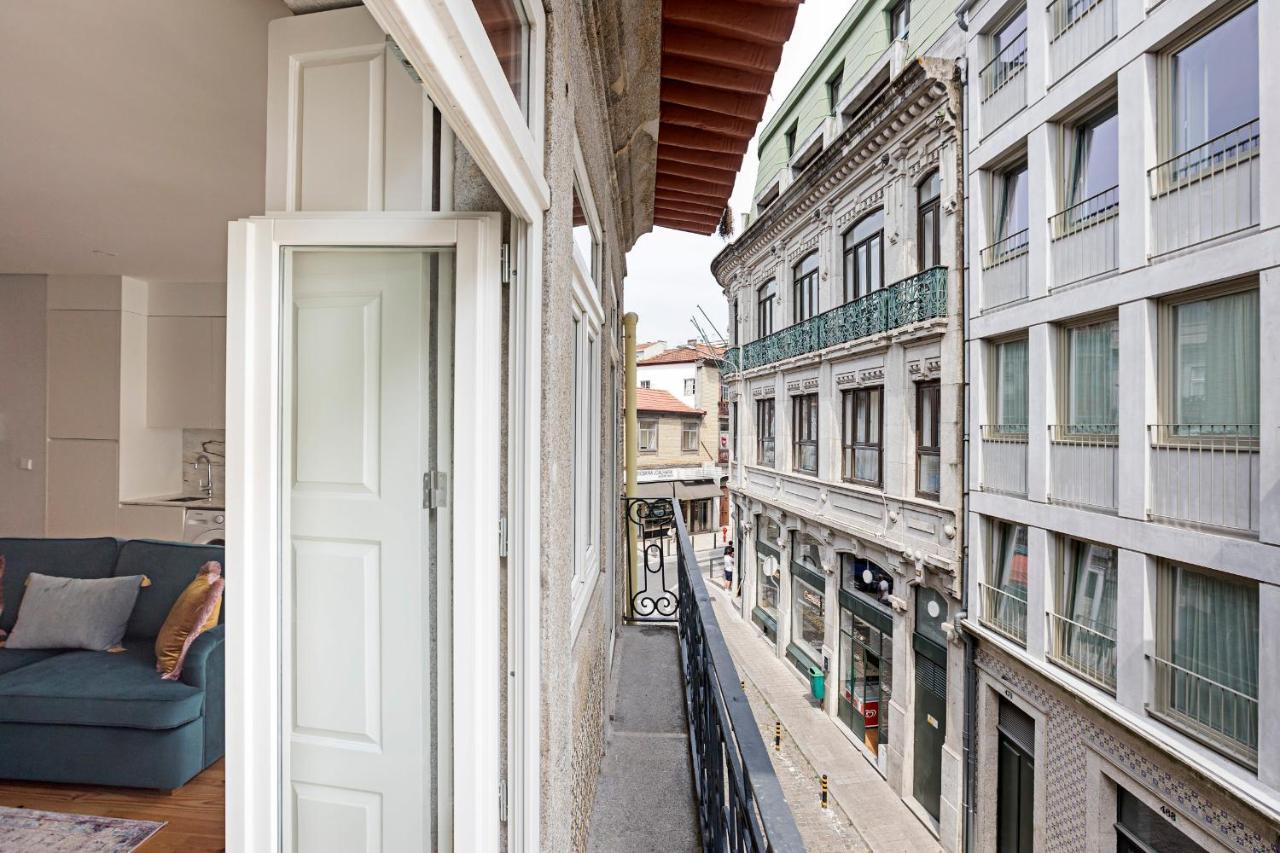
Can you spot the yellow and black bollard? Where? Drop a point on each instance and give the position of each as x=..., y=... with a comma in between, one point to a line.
x=777, y=736
x=824, y=790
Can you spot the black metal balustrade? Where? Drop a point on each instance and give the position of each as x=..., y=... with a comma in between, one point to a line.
x=740, y=803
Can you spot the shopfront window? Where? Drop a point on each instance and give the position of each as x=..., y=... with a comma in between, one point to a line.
x=806, y=617
x=698, y=515
x=767, y=573
x=866, y=651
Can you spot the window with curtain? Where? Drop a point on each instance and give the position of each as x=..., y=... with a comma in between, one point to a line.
x=804, y=434
x=1093, y=378
x=861, y=419
x=929, y=221
x=1215, y=85
x=928, y=442
x=1092, y=185
x=1084, y=637
x=1011, y=217
x=766, y=302
x=864, y=256
x=1005, y=600
x=764, y=432
x=1207, y=656
x=804, y=288
x=1216, y=357
x=689, y=436
x=1011, y=387
x=648, y=433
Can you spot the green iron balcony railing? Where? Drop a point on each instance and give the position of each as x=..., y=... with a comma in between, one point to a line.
x=920, y=297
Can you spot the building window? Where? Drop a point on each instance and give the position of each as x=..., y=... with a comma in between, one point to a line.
x=767, y=571
x=899, y=20
x=698, y=516
x=863, y=256
x=861, y=423
x=928, y=442
x=586, y=233
x=1215, y=365
x=806, y=617
x=1015, y=780
x=734, y=313
x=834, y=82
x=1093, y=378
x=1011, y=387
x=866, y=650
x=507, y=27
x=689, y=436
x=765, y=432
x=1140, y=829
x=1094, y=179
x=929, y=221
x=733, y=426
x=790, y=139
x=690, y=387
x=1214, y=89
x=586, y=457
x=1004, y=592
x=766, y=302
x=1207, y=658
x=1083, y=622
x=645, y=383
x=804, y=288
x=804, y=434
x=648, y=434
x=1011, y=219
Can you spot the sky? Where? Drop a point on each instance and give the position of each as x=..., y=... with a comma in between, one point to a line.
x=669, y=272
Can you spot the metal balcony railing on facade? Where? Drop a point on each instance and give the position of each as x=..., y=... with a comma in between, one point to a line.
x=1004, y=458
x=1206, y=476
x=1004, y=84
x=1086, y=238
x=914, y=299
x=1212, y=712
x=1004, y=612
x=1083, y=465
x=1209, y=191
x=1005, y=270
x=740, y=802
x=1079, y=29
x=1085, y=650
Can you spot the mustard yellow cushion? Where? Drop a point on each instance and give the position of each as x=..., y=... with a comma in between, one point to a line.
x=195, y=612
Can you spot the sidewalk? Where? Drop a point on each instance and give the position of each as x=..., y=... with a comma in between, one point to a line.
x=878, y=815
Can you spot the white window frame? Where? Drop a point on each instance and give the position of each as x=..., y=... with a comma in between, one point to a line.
x=641, y=429
x=594, y=265
x=690, y=387
x=684, y=433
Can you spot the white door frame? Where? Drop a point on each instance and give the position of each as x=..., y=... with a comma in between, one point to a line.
x=255, y=785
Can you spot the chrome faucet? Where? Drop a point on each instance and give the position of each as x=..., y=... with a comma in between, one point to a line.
x=207, y=485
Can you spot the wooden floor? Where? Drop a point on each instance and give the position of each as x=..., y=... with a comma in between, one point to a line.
x=193, y=812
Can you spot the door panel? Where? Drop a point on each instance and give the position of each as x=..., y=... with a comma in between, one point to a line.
x=930, y=732
x=358, y=648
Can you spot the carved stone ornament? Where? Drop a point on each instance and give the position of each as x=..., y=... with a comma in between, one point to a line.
x=898, y=604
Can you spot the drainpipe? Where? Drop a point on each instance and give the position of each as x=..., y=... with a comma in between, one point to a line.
x=632, y=438
x=960, y=13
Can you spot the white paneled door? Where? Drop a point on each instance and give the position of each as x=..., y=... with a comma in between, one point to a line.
x=362, y=399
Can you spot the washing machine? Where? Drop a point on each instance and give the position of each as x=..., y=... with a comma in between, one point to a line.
x=205, y=527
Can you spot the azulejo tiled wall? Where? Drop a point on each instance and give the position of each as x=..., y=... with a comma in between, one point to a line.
x=1073, y=736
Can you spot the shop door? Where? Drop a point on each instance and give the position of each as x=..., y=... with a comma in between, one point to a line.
x=930, y=724
x=1015, y=783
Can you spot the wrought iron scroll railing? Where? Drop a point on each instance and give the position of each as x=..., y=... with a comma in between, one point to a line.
x=915, y=299
x=740, y=803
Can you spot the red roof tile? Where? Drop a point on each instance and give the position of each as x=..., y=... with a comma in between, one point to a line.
x=677, y=355
x=656, y=400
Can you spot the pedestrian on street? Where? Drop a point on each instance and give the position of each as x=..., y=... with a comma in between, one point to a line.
x=728, y=562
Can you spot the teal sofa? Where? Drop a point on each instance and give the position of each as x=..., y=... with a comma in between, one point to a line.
x=109, y=719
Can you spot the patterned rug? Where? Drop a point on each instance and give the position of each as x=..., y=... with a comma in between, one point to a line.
x=28, y=830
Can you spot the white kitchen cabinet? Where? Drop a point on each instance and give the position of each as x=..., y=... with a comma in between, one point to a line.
x=84, y=374
x=186, y=372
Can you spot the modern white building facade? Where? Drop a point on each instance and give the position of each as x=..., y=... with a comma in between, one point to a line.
x=1123, y=534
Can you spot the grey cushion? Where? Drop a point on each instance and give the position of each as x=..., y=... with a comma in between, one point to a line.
x=72, y=613
x=64, y=558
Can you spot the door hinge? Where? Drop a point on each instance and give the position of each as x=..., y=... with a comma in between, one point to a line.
x=502, y=536
x=435, y=490
x=502, y=800
x=507, y=271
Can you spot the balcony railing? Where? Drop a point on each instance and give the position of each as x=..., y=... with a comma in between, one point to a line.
x=1082, y=466
x=1205, y=475
x=913, y=300
x=740, y=803
x=1078, y=29
x=1004, y=459
x=1206, y=709
x=1005, y=271
x=1085, y=650
x=1208, y=192
x=1085, y=238
x=1004, y=84
x=1004, y=611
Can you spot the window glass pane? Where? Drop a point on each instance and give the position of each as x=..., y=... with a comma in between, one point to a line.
x=866, y=227
x=806, y=618
x=1007, y=34
x=930, y=188
x=1012, y=217
x=585, y=240
x=767, y=583
x=1005, y=602
x=504, y=23
x=1011, y=386
x=1096, y=163
x=1093, y=377
x=1138, y=822
x=1215, y=82
x=1216, y=364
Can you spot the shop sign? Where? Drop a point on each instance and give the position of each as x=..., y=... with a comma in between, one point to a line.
x=871, y=713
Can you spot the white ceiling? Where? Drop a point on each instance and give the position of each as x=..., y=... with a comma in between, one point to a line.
x=131, y=131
